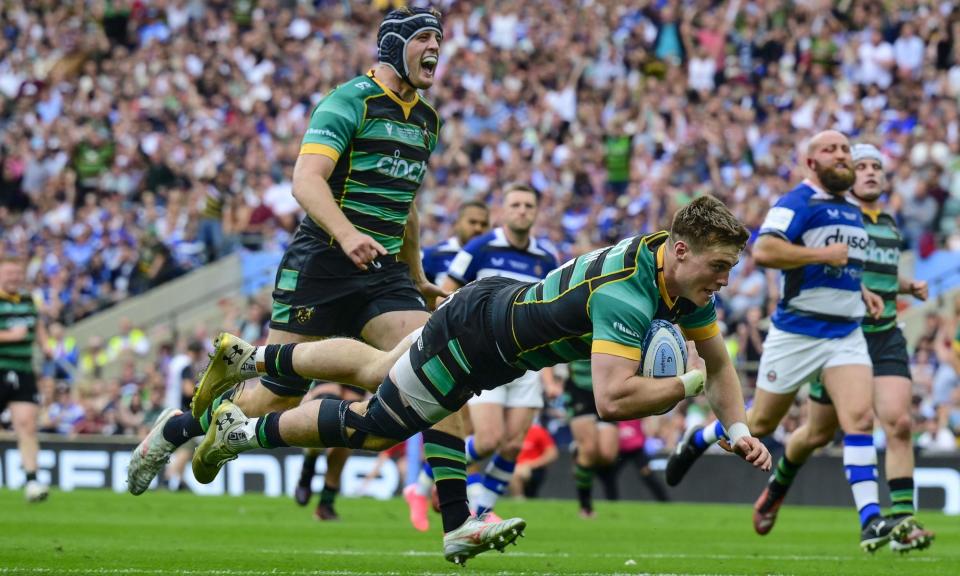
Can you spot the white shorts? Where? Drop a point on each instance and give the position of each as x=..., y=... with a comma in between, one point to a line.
x=791, y=360
x=524, y=392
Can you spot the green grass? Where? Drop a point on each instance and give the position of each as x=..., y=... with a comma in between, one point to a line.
x=102, y=533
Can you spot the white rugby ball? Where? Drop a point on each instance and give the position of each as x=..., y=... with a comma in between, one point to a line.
x=664, y=351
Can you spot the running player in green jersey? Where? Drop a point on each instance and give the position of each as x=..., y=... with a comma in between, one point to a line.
x=888, y=351
x=597, y=306
x=597, y=440
x=20, y=330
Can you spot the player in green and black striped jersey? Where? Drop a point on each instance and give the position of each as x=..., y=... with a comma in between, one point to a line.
x=353, y=267
x=597, y=440
x=20, y=330
x=597, y=307
x=892, y=387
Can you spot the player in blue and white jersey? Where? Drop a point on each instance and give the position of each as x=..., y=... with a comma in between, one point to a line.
x=816, y=236
x=473, y=219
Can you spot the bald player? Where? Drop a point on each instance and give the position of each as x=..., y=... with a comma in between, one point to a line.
x=815, y=235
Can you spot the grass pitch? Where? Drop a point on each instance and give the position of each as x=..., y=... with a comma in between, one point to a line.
x=99, y=533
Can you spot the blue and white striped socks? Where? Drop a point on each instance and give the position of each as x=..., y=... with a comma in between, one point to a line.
x=860, y=464
x=471, y=450
x=496, y=478
x=710, y=434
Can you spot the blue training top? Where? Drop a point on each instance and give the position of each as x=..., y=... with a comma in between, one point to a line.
x=437, y=259
x=492, y=255
x=819, y=300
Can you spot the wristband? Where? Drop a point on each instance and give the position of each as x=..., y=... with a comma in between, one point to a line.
x=736, y=431
x=692, y=382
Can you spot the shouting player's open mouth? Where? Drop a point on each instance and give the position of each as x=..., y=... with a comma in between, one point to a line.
x=429, y=64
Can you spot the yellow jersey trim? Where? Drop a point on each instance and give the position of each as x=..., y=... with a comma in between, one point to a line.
x=615, y=349
x=321, y=149
x=701, y=333
x=661, y=282
x=873, y=215
x=407, y=107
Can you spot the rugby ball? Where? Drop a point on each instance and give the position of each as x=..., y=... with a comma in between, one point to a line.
x=664, y=351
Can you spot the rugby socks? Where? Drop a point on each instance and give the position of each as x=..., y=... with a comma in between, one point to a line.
x=901, y=496
x=708, y=435
x=860, y=464
x=328, y=495
x=496, y=478
x=183, y=427
x=445, y=455
x=471, y=450
x=783, y=475
x=267, y=430
x=309, y=467
x=277, y=359
x=583, y=478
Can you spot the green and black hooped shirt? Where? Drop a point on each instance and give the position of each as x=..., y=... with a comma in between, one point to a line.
x=17, y=310
x=381, y=146
x=880, y=269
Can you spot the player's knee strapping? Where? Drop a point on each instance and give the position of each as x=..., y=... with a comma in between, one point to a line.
x=286, y=385
x=330, y=423
x=386, y=417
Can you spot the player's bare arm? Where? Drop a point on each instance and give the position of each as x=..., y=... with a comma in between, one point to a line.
x=311, y=190
x=723, y=392
x=916, y=288
x=410, y=253
x=622, y=395
x=873, y=301
x=773, y=252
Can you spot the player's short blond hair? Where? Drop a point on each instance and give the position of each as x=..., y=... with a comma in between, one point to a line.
x=707, y=222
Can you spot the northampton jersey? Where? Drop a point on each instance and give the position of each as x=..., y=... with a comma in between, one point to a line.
x=381, y=146
x=600, y=302
x=581, y=374
x=18, y=310
x=880, y=270
x=437, y=259
x=491, y=254
x=819, y=300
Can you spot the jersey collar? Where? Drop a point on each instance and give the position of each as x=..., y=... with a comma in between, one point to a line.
x=407, y=107
x=818, y=191
x=15, y=298
x=661, y=281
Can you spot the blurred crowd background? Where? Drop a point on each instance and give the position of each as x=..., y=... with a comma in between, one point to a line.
x=142, y=139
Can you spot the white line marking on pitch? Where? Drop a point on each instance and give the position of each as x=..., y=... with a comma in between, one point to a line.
x=278, y=572
x=623, y=556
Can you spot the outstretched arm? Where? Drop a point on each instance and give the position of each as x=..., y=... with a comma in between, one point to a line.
x=726, y=399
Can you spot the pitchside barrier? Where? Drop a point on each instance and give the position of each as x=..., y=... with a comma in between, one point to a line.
x=102, y=462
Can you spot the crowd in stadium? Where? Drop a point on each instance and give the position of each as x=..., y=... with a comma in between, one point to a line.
x=142, y=139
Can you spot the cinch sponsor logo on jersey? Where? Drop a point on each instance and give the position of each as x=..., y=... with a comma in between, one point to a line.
x=853, y=241
x=322, y=132
x=882, y=255
x=397, y=167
